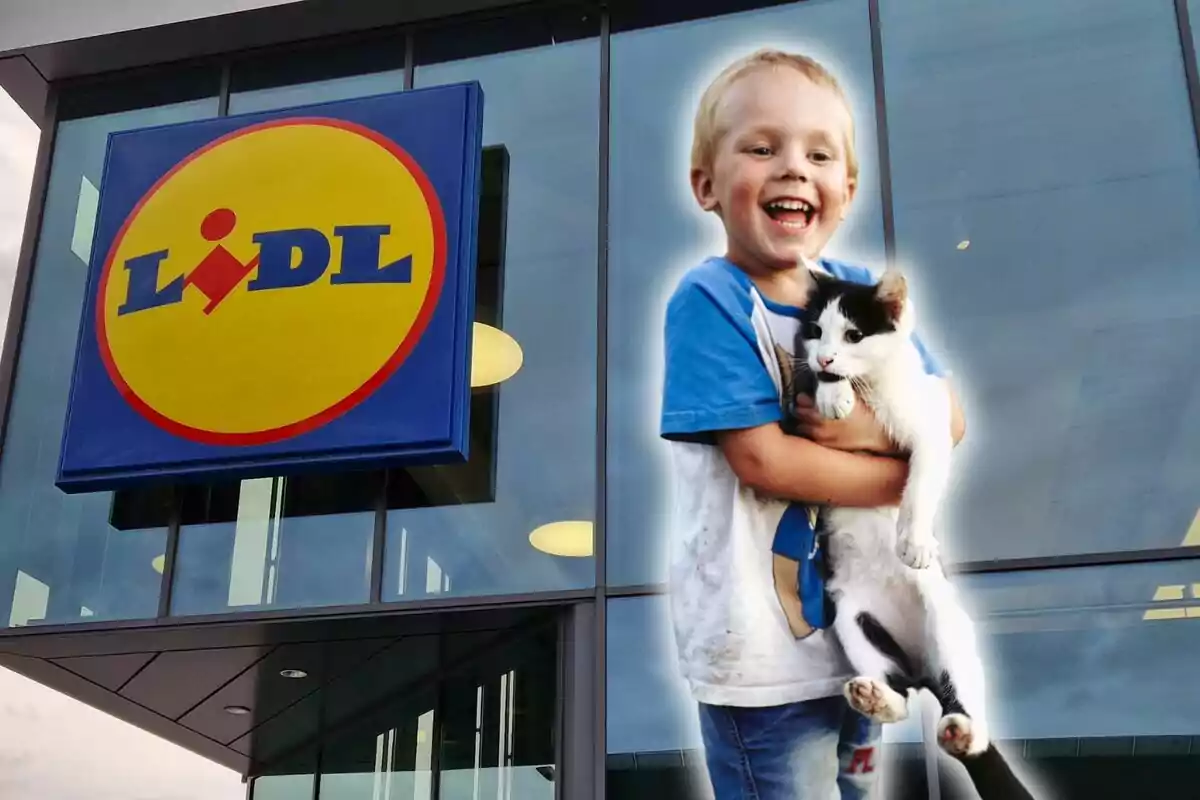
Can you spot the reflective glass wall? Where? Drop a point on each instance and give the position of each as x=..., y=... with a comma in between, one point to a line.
x=66, y=558
x=1031, y=166
x=540, y=75
x=517, y=518
x=1033, y=169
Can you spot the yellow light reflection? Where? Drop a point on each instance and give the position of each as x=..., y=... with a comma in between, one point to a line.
x=1165, y=613
x=1192, y=537
x=570, y=539
x=495, y=356
x=1168, y=593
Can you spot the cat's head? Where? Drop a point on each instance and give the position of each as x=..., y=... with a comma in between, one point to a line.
x=851, y=329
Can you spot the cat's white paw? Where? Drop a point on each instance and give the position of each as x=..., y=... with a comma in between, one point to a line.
x=875, y=699
x=959, y=736
x=915, y=544
x=918, y=551
x=835, y=400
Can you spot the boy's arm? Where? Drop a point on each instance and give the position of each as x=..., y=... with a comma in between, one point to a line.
x=958, y=420
x=792, y=468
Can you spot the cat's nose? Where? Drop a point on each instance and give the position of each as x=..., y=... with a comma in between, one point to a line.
x=824, y=361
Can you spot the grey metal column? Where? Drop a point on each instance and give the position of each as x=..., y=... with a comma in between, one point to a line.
x=575, y=778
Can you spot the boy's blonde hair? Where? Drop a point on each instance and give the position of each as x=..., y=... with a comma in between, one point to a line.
x=705, y=135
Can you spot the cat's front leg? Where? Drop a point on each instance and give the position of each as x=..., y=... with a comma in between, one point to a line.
x=928, y=473
x=835, y=400
x=915, y=543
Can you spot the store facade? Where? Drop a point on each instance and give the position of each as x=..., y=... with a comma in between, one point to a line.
x=499, y=627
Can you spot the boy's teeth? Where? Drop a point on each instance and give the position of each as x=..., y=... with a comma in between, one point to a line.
x=790, y=205
x=791, y=213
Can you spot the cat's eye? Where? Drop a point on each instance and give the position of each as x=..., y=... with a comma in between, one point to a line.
x=854, y=336
x=810, y=330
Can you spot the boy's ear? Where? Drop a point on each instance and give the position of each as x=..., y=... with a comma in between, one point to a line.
x=851, y=190
x=702, y=189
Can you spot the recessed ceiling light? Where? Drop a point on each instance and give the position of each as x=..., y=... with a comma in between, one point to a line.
x=293, y=673
x=964, y=244
x=495, y=356
x=237, y=711
x=159, y=563
x=570, y=538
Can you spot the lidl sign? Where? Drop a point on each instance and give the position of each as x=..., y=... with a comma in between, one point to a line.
x=280, y=291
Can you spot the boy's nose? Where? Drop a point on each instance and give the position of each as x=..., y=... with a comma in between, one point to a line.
x=795, y=172
x=794, y=164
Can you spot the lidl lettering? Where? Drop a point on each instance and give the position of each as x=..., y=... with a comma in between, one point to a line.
x=220, y=272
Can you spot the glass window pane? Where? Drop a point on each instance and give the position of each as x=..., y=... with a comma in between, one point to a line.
x=317, y=74
x=394, y=762
x=1084, y=662
x=1092, y=629
x=1046, y=194
x=657, y=231
x=1193, y=8
x=81, y=556
x=265, y=543
x=466, y=531
x=283, y=787
x=498, y=723
x=480, y=726
x=289, y=779
x=139, y=90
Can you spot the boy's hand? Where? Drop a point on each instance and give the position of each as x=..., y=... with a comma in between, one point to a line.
x=858, y=432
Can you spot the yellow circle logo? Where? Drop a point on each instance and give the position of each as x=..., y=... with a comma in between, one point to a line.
x=271, y=281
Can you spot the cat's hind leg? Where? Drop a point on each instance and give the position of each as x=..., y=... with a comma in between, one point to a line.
x=958, y=674
x=883, y=671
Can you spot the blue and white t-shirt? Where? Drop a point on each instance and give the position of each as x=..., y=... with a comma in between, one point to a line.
x=728, y=365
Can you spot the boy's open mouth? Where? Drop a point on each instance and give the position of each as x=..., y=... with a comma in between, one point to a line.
x=791, y=213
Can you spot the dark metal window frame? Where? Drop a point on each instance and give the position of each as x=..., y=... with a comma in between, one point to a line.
x=583, y=643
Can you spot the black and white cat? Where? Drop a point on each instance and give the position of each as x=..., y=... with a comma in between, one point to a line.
x=897, y=616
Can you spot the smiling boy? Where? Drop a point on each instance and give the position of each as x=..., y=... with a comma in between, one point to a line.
x=773, y=157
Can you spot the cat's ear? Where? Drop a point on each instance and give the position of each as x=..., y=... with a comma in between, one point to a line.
x=817, y=279
x=892, y=292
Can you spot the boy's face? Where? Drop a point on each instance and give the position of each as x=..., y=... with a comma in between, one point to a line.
x=779, y=179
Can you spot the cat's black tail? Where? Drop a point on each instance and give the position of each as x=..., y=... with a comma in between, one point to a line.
x=993, y=777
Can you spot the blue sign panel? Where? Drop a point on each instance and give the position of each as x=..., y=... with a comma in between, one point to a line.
x=280, y=291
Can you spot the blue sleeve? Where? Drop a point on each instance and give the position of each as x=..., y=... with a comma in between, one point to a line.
x=932, y=365
x=714, y=377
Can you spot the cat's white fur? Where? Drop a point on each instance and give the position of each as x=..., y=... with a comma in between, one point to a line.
x=884, y=560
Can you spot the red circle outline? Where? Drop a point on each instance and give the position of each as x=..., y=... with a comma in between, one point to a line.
x=432, y=296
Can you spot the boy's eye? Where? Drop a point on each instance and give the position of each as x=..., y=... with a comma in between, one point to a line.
x=821, y=157
x=810, y=330
x=761, y=151
x=853, y=336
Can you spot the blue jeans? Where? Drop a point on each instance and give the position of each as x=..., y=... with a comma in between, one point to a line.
x=798, y=751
